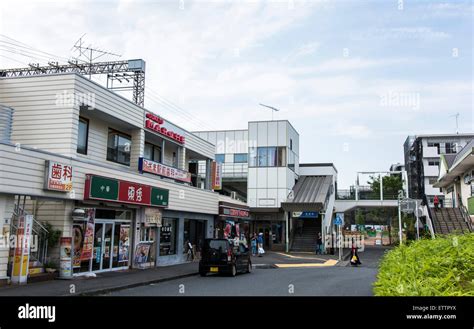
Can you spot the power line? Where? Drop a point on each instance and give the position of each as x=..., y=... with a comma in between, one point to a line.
x=24, y=45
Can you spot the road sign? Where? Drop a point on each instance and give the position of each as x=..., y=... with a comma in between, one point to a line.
x=338, y=221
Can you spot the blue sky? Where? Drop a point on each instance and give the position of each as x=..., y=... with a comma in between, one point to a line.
x=353, y=77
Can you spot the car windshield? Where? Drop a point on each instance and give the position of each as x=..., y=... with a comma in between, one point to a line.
x=216, y=244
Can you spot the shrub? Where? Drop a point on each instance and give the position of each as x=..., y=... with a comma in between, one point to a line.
x=440, y=267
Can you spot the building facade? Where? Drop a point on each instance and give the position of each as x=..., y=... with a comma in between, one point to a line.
x=118, y=179
x=422, y=160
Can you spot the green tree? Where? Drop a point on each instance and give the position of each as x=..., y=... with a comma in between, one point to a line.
x=391, y=185
x=359, y=218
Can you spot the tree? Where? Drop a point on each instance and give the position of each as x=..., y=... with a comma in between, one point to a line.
x=391, y=185
x=359, y=218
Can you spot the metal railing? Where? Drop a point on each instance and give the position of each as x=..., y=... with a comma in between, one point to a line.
x=364, y=194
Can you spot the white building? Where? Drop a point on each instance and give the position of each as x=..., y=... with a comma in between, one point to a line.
x=261, y=166
x=117, y=178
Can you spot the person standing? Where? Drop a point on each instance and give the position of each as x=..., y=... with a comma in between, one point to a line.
x=261, y=251
x=253, y=243
x=436, y=202
x=355, y=260
x=319, y=244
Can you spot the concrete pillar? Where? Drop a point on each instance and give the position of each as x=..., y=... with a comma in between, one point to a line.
x=207, y=185
x=137, y=148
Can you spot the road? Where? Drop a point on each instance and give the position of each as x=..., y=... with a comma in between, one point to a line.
x=317, y=281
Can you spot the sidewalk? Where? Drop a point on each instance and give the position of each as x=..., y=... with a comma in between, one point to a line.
x=103, y=283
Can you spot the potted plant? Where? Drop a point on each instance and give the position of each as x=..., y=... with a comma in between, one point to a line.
x=53, y=235
x=50, y=267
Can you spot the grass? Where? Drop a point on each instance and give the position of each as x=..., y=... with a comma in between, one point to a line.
x=440, y=267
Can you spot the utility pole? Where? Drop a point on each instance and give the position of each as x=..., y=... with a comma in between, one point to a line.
x=457, y=123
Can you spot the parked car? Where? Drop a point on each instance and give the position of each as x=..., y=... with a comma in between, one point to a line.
x=224, y=256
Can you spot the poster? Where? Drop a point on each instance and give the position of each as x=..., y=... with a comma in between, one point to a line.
x=124, y=243
x=83, y=238
x=65, y=260
x=22, y=250
x=141, y=252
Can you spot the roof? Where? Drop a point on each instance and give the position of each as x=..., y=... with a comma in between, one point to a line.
x=450, y=159
x=309, y=193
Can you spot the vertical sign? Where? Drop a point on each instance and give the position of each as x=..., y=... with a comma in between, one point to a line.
x=65, y=257
x=216, y=175
x=22, y=250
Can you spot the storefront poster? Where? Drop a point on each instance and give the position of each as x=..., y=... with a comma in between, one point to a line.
x=124, y=243
x=22, y=250
x=65, y=261
x=141, y=253
x=83, y=234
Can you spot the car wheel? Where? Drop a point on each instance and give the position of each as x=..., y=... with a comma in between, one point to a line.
x=249, y=267
x=202, y=273
x=233, y=270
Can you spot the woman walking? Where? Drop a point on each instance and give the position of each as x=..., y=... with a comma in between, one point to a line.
x=355, y=260
x=254, y=244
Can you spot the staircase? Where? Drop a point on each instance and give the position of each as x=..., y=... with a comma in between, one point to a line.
x=450, y=220
x=307, y=240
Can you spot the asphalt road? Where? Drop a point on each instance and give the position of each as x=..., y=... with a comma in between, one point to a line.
x=317, y=281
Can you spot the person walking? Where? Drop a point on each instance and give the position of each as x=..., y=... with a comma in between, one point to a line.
x=436, y=202
x=319, y=244
x=261, y=251
x=355, y=260
x=253, y=243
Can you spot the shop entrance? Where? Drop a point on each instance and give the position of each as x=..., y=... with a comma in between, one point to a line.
x=103, y=244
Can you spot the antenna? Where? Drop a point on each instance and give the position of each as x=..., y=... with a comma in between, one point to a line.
x=457, y=124
x=271, y=108
x=89, y=53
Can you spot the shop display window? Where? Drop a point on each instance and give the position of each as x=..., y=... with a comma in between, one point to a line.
x=168, y=236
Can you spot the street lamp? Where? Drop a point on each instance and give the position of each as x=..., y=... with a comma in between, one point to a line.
x=271, y=108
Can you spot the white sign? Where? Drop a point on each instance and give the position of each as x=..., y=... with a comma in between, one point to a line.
x=152, y=217
x=58, y=176
x=22, y=250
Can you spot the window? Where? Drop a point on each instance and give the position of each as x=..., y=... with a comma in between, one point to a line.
x=252, y=156
x=272, y=156
x=220, y=158
x=472, y=189
x=291, y=144
x=82, y=136
x=168, y=237
x=281, y=157
x=431, y=181
x=262, y=155
x=240, y=158
x=450, y=148
x=152, y=152
x=433, y=163
x=118, y=147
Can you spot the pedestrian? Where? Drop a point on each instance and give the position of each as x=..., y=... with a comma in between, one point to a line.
x=319, y=244
x=436, y=202
x=254, y=244
x=355, y=260
x=261, y=251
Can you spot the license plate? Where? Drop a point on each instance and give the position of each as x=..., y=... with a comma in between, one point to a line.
x=214, y=269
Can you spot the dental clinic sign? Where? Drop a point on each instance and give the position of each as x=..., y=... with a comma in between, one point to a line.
x=58, y=176
x=160, y=126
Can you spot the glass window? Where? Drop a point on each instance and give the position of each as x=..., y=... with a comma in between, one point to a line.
x=152, y=152
x=433, y=163
x=82, y=135
x=252, y=156
x=262, y=157
x=291, y=160
x=240, y=158
x=272, y=156
x=118, y=147
x=168, y=237
x=281, y=157
x=220, y=158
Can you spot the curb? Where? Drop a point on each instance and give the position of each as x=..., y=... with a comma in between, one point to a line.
x=131, y=285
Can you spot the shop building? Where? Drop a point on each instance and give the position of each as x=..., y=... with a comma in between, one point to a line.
x=260, y=165
x=119, y=179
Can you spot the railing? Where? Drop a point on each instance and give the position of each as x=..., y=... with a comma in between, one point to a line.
x=429, y=219
x=364, y=194
x=467, y=217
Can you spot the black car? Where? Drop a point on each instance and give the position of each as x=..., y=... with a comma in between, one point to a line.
x=224, y=256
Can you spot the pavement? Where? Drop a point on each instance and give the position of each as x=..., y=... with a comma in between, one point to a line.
x=109, y=282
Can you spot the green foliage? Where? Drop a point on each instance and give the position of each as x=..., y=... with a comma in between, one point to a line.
x=53, y=235
x=360, y=219
x=391, y=185
x=440, y=267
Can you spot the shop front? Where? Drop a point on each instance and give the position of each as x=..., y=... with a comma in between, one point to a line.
x=105, y=238
x=232, y=222
x=272, y=225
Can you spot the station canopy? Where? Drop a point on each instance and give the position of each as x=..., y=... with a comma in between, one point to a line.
x=309, y=194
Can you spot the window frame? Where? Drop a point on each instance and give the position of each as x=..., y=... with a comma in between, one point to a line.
x=85, y=120
x=220, y=154
x=241, y=154
x=154, y=148
x=123, y=135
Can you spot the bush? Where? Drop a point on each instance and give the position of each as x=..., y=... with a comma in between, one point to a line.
x=440, y=267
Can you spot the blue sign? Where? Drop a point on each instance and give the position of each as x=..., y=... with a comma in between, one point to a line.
x=338, y=221
x=309, y=214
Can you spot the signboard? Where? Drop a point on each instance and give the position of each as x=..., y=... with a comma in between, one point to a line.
x=305, y=214
x=109, y=189
x=216, y=177
x=58, y=176
x=152, y=217
x=22, y=250
x=141, y=252
x=65, y=257
x=145, y=165
x=233, y=212
x=158, y=125
x=124, y=243
x=339, y=219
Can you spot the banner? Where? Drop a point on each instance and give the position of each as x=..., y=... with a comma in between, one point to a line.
x=22, y=250
x=216, y=177
x=83, y=235
x=65, y=259
x=160, y=169
x=141, y=252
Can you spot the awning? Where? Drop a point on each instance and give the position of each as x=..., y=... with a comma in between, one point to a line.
x=309, y=194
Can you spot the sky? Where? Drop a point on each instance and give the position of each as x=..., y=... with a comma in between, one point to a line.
x=354, y=78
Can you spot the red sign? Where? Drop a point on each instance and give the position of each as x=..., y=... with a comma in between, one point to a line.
x=134, y=193
x=234, y=212
x=158, y=124
x=58, y=176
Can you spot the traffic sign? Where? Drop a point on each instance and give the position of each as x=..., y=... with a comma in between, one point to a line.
x=338, y=221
